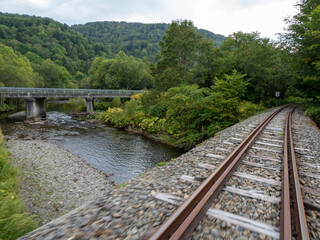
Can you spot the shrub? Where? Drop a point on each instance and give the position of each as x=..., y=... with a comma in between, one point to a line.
x=158, y=110
x=186, y=114
x=116, y=102
x=149, y=125
x=292, y=99
x=130, y=108
x=313, y=112
x=160, y=164
x=13, y=221
x=247, y=109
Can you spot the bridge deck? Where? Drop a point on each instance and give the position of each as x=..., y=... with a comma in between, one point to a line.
x=8, y=92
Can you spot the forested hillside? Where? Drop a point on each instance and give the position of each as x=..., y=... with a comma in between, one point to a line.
x=137, y=39
x=60, y=56
x=42, y=38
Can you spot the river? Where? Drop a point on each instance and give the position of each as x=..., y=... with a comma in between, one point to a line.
x=120, y=154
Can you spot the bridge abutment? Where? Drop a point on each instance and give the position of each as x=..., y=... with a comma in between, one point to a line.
x=35, y=108
x=89, y=106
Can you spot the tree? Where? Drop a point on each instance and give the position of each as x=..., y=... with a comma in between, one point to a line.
x=15, y=70
x=54, y=76
x=260, y=59
x=303, y=38
x=122, y=72
x=231, y=86
x=98, y=71
x=186, y=57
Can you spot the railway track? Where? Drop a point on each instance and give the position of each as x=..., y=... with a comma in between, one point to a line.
x=252, y=186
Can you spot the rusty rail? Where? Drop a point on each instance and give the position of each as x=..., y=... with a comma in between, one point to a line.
x=285, y=214
x=184, y=220
x=291, y=180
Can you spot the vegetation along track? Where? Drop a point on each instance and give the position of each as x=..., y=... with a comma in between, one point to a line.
x=261, y=176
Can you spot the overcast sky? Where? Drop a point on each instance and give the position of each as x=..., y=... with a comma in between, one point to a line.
x=219, y=16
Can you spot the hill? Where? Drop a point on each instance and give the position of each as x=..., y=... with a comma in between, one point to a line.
x=42, y=38
x=137, y=39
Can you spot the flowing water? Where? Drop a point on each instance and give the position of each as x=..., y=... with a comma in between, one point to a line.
x=120, y=154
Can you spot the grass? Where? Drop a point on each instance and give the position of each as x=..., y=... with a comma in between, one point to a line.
x=122, y=185
x=14, y=222
x=159, y=164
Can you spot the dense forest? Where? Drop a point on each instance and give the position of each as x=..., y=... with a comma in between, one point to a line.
x=137, y=39
x=60, y=56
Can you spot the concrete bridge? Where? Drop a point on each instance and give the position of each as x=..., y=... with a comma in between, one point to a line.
x=35, y=97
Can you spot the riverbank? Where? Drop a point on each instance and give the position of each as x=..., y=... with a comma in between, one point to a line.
x=14, y=221
x=54, y=181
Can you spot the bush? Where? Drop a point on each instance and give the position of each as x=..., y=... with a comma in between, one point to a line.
x=158, y=110
x=186, y=114
x=5, y=108
x=130, y=108
x=247, y=109
x=313, y=112
x=149, y=99
x=116, y=102
x=102, y=106
x=292, y=99
x=79, y=103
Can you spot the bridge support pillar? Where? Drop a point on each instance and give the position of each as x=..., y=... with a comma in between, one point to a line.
x=90, y=102
x=35, y=108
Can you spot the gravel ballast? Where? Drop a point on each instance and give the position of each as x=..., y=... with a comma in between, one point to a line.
x=133, y=212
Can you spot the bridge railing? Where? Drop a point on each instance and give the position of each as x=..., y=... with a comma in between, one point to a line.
x=68, y=91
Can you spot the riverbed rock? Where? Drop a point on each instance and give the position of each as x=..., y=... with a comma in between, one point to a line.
x=18, y=116
x=54, y=181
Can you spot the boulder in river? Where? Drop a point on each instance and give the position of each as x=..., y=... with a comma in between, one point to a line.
x=19, y=115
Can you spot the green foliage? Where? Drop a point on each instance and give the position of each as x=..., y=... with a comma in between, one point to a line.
x=130, y=108
x=13, y=221
x=312, y=109
x=231, y=86
x=293, y=99
x=264, y=64
x=160, y=164
x=186, y=57
x=247, y=109
x=5, y=108
x=313, y=112
x=122, y=185
x=43, y=38
x=116, y=102
x=15, y=70
x=123, y=72
x=158, y=110
x=186, y=114
x=80, y=103
x=54, y=75
x=303, y=39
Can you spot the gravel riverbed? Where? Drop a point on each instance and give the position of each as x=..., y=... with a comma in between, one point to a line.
x=54, y=181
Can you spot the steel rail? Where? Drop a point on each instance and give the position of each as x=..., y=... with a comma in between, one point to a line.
x=184, y=220
x=285, y=214
x=301, y=227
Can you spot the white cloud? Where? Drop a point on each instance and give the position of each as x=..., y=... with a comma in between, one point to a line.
x=266, y=17
x=40, y=4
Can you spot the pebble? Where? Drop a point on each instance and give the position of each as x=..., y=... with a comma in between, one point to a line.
x=133, y=213
x=47, y=189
